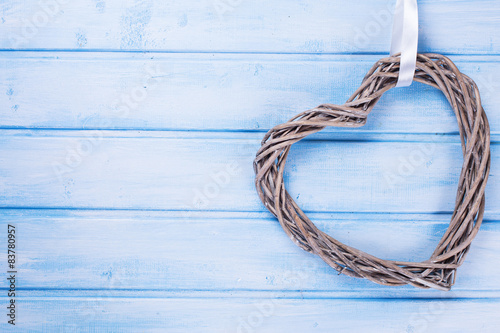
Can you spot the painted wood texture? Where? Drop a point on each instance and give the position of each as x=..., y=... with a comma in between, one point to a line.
x=213, y=171
x=299, y=26
x=237, y=92
x=174, y=254
x=127, y=135
x=265, y=315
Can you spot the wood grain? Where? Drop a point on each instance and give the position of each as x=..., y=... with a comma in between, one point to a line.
x=127, y=135
x=213, y=171
x=257, y=315
x=212, y=253
x=280, y=26
x=215, y=92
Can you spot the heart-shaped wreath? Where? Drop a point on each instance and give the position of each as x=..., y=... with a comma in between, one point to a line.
x=438, y=271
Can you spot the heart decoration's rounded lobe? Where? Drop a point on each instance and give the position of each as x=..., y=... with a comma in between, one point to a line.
x=439, y=270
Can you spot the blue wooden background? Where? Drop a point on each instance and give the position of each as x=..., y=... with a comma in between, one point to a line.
x=127, y=135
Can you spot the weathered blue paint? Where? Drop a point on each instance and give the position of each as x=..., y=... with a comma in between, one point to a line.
x=127, y=134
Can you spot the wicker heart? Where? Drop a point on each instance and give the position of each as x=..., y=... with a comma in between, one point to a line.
x=437, y=272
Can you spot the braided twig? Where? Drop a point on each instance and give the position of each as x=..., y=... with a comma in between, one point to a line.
x=438, y=271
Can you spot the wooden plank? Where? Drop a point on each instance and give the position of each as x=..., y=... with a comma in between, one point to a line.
x=119, y=253
x=261, y=315
x=244, y=26
x=213, y=171
x=160, y=227
x=215, y=92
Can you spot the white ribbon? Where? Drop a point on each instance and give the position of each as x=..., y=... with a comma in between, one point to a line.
x=405, y=39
